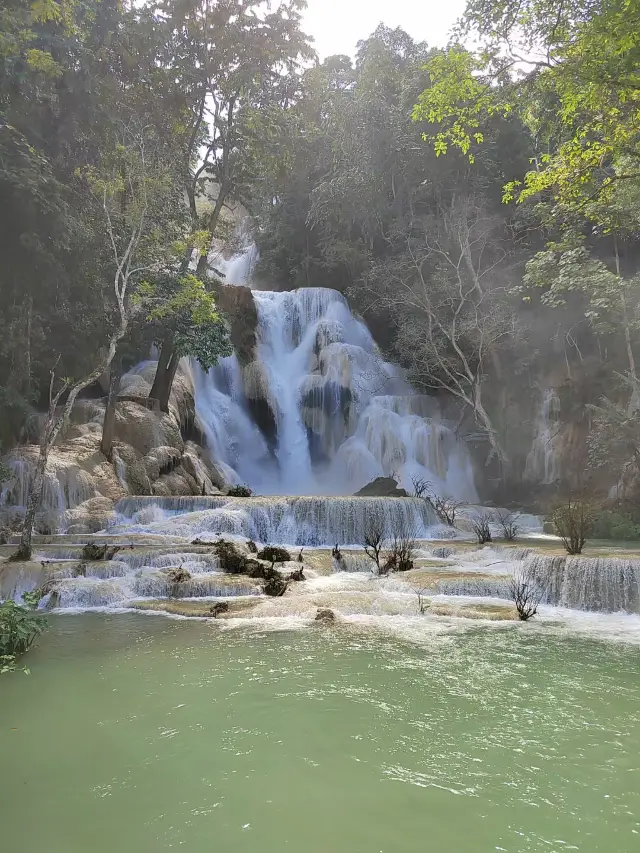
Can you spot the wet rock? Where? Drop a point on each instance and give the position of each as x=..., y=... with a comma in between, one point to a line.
x=79, y=571
x=296, y=576
x=92, y=551
x=274, y=554
x=91, y=516
x=385, y=487
x=239, y=306
x=324, y=614
x=252, y=547
x=218, y=608
x=179, y=575
x=276, y=586
x=232, y=560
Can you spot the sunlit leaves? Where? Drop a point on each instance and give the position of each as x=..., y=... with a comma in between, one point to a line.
x=458, y=101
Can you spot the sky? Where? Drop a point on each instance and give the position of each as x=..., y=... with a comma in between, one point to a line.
x=337, y=25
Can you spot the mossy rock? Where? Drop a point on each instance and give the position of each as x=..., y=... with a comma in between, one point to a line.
x=93, y=551
x=274, y=554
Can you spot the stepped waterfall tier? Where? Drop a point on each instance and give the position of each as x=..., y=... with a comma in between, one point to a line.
x=319, y=411
x=288, y=520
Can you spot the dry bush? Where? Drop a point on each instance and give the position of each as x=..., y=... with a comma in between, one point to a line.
x=446, y=508
x=423, y=604
x=481, y=526
x=508, y=521
x=421, y=488
x=574, y=518
x=373, y=537
x=526, y=593
x=402, y=549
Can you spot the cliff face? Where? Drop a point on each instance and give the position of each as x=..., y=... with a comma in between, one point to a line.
x=240, y=309
x=154, y=454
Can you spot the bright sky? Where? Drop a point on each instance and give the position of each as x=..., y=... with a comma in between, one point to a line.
x=337, y=25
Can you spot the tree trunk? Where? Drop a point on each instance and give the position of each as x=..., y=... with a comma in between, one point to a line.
x=212, y=224
x=485, y=420
x=159, y=379
x=634, y=403
x=165, y=374
x=35, y=497
x=109, y=425
x=167, y=385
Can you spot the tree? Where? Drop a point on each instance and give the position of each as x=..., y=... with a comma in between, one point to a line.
x=569, y=68
x=185, y=323
x=131, y=189
x=373, y=537
x=526, y=593
x=481, y=526
x=443, y=289
x=573, y=518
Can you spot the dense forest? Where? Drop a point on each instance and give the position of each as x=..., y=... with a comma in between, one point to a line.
x=479, y=207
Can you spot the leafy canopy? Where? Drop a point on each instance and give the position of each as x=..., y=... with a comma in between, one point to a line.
x=570, y=70
x=182, y=305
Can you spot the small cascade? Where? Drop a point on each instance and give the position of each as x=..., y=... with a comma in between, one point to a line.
x=542, y=465
x=319, y=411
x=608, y=584
x=285, y=520
x=66, y=485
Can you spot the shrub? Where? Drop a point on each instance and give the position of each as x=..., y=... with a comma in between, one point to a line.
x=373, y=537
x=481, y=526
x=239, y=492
x=446, y=508
x=526, y=593
x=402, y=550
x=609, y=524
x=574, y=519
x=19, y=627
x=274, y=554
x=421, y=487
x=179, y=575
x=508, y=521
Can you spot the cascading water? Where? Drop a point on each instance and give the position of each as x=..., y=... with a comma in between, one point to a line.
x=311, y=521
x=541, y=466
x=340, y=415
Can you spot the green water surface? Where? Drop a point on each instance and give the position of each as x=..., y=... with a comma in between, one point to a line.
x=137, y=734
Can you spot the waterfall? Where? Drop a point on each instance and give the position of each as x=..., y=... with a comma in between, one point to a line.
x=609, y=584
x=542, y=463
x=284, y=520
x=66, y=485
x=320, y=412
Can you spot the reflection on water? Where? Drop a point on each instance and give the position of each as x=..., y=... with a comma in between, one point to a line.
x=142, y=734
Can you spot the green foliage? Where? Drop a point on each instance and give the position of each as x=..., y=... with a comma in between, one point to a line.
x=621, y=526
x=459, y=101
x=19, y=627
x=181, y=305
x=570, y=71
x=240, y=492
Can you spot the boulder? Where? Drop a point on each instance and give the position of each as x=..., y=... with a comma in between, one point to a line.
x=382, y=487
x=274, y=554
x=218, y=608
x=178, y=575
x=239, y=307
x=93, y=551
x=276, y=587
x=90, y=516
x=325, y=615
